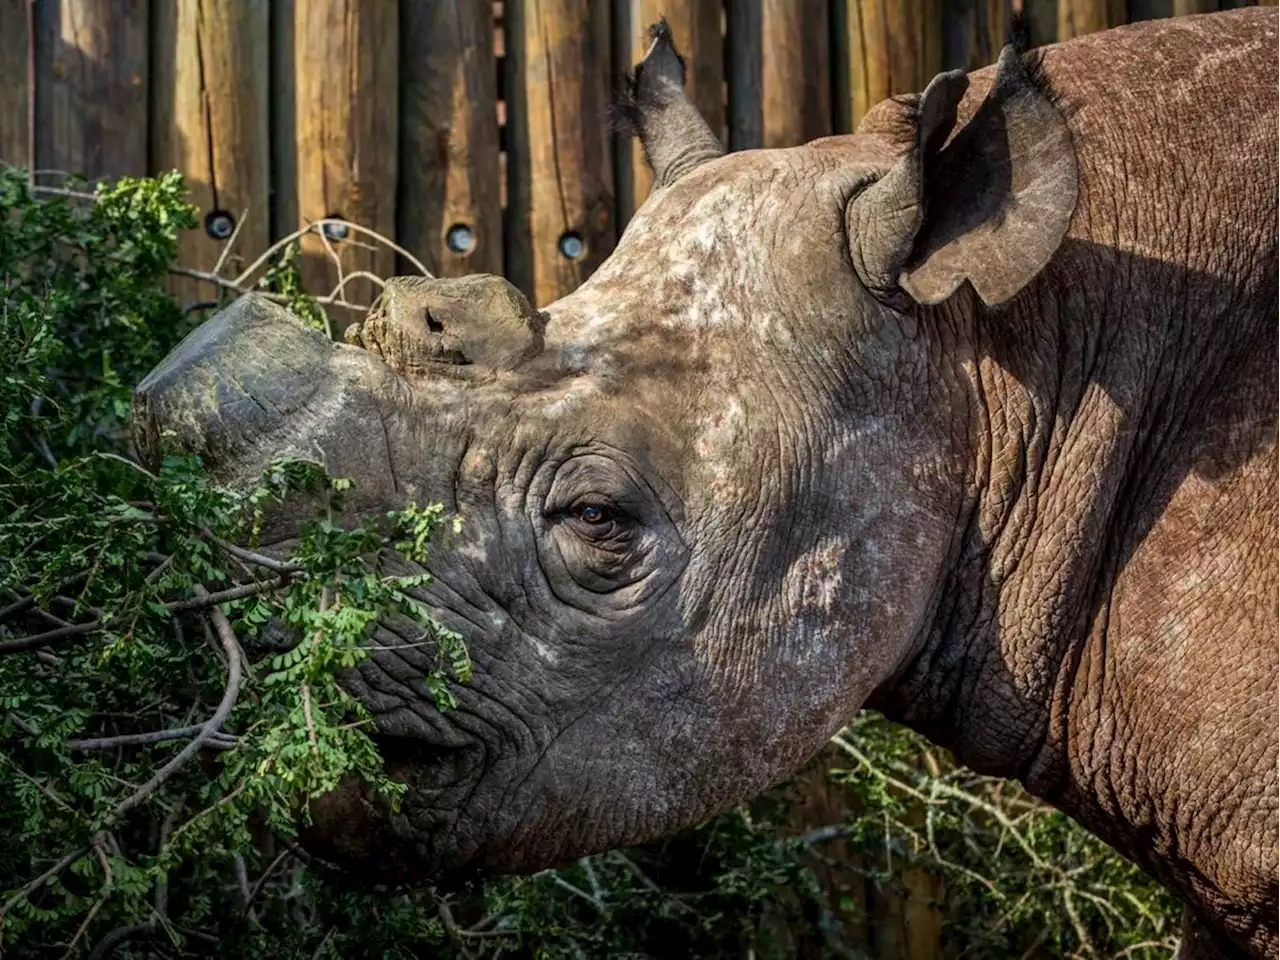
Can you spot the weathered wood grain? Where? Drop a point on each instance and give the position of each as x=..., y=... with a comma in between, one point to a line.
x=343, y=94
x=1042, y=20
x=697, y=27
x=560, y=213
x=1078, y=17
x=15, y=143
x=91, y=87
x=209, y=121
x=974, y=32
x=894, y=46
x=779, y=72
x=448, y=207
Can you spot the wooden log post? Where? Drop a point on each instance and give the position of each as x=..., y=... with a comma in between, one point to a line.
x=779, y=73
x=697, y=28
x=449, y=210
x=1078, y=17
x=336, y=94
x=891, y=47
x=974, y=32
x=91, y=87
x=1159, y=9
x=15, y=91
x=209, y=97
x=1041, y=17
x=560, y=210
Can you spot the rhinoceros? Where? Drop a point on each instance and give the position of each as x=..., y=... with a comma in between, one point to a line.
x=969, y=416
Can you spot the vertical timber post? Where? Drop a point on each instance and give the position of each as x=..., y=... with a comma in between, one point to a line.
x=448, y=206
x=779, y=72
x=343, y=96
x=91, y=87
x=894, y=46
x=696, y=28
x=974, y=32
x=560, y=208
x=1078, y=17
x=209, y=121
x=15, y=93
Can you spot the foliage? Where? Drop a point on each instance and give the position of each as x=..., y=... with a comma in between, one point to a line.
x=149, y=618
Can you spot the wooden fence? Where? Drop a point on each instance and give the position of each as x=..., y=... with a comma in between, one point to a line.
x=472, y=132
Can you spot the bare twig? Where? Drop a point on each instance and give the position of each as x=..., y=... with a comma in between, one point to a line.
x=226, y=284
x=242, y=881
x=340, y=291
x=249, y=556
x=206, y=601
x=217, y=741
x=319, y=225
x=63, y=192
x=450, y=925
x=231, y=242
x=160, y=569
x=266, y=875
x=107, y=455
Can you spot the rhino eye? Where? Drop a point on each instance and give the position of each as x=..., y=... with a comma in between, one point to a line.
x=593, y=514
x=601, y=523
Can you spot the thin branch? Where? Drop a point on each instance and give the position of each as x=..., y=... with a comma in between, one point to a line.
x=266, y=874
x=19, y=644
x=306, y=713
x=107, y=455
x=106, y=947
x=340, y=289
x=63, y=192
x=160, y=569
x=203, y=601
x=320, y=225
x=18, y=606
x=231, y=242
x=274, y=297
x=450, y=925
x=217, y=741
x=249, y=556
x=231, y=648
x=207, y=601
x=324, y=943
x=39, y=881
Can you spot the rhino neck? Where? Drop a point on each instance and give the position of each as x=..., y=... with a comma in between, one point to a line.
x=1072, y=410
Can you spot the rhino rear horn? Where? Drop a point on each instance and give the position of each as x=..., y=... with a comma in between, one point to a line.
x=656, y=108
x=991, y=207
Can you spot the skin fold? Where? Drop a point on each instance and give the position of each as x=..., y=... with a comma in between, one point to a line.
x=969, y=416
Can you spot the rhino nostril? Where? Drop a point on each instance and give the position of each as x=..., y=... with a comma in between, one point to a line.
x=434, y=325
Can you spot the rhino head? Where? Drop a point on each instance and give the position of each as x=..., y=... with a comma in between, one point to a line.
x=709, y=498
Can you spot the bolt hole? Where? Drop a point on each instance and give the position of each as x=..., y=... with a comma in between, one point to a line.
x=335, y=232
x=219, y=224
x=572, y=246
x=460, y=238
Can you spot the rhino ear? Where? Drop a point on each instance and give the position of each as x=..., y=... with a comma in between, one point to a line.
x=655, y=107
x=991, y=207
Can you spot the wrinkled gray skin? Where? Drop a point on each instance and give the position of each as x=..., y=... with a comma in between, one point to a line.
x=983, y=435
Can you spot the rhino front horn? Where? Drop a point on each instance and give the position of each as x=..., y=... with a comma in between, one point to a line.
x=421, y=325
x=655, y=107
